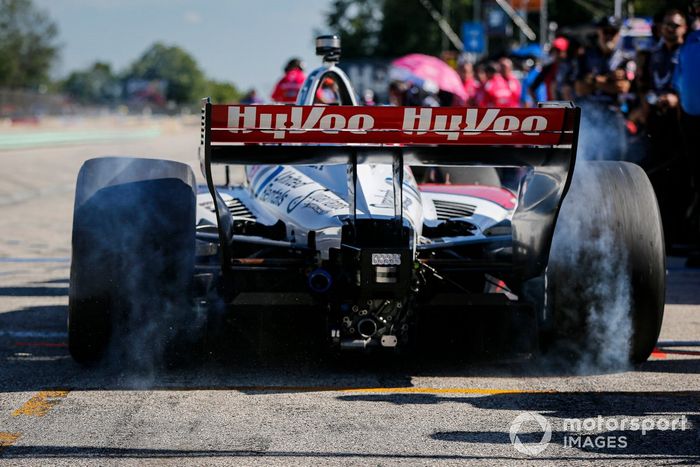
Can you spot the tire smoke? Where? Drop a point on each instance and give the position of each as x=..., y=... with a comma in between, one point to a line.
x=589, y=281
x=132, y=268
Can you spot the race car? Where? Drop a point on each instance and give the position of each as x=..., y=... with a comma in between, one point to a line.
x=333, y=222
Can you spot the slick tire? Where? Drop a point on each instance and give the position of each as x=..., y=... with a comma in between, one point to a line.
x=605, y=281
x=132, y=260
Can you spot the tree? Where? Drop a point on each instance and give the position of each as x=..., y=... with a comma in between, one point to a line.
x=389, y=28
x=358, y=23
x=221, y=92
x=95, y=85
x=652, y=7
x=421, y=34
x=27, y=47
x=186, y=82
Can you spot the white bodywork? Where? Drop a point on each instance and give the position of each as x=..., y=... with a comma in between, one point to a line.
x=315, y=198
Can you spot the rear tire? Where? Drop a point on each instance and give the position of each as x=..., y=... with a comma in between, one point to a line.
x=132, y=263
x=606, y=272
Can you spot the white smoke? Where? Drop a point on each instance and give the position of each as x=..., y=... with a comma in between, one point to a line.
x=134, y=239
x=594, y=283
x=589, y=267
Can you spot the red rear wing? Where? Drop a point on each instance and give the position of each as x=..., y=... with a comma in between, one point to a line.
x=226, y=124
x=543, y=139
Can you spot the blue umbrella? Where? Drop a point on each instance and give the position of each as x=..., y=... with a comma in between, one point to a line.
x=529, y=50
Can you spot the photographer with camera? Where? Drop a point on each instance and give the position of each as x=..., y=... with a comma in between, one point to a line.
x=603, y=83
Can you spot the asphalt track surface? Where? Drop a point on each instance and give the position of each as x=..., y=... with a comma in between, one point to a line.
x=297, y=410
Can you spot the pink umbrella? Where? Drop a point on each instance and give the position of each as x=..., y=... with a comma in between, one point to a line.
x=431, y=68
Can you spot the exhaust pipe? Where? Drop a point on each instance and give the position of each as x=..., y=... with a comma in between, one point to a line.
x=367, y=327
x=319, y=280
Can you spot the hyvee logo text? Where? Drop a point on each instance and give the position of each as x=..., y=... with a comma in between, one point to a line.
x=294, y=121
x=414, y=121
x=422, y=121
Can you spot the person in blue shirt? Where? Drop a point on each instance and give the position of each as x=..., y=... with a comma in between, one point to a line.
x=687, y=74
x=687, y=84
x=538, y=93
x=251, y=98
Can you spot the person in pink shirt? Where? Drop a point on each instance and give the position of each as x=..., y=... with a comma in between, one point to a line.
x=516, y=88
x=288, y=87
x=471, y=84
x=480, y=72
x=496, y=92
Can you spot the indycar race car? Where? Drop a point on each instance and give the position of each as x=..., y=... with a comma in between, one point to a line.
x=332, y=219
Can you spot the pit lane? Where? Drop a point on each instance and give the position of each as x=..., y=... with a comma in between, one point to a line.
x=299, y=411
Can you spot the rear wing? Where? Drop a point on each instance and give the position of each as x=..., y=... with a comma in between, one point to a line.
x=543, y=139
x=226, y=128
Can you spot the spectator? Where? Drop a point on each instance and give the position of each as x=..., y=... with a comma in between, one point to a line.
x=396, y=92
x=496, y=92
x=471, y=84
x=556, y=75
x=251, y=97
x=644, y=53
x=414, y=93
x=505, y=66
x=288, y=87
x=663, y=59
x=660, y=110
x=601, y=83
x=532, y=70
x=656, y=22
x=368, y=97
x=480, y=73
x=687, y=77
x=328, y=93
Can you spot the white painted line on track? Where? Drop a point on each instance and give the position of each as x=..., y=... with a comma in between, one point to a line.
x=34, y=334
x=34, y=260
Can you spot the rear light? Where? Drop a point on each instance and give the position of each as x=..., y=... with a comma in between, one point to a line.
x=386, y=259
